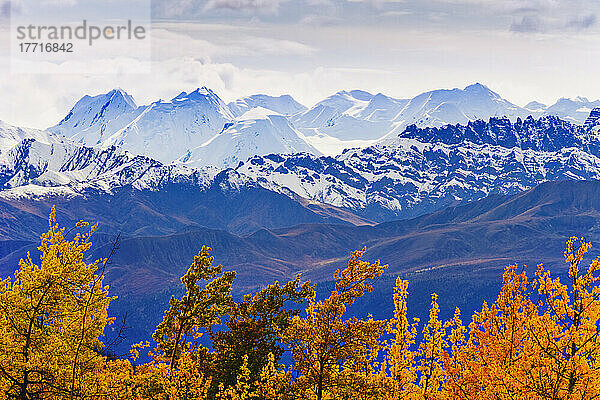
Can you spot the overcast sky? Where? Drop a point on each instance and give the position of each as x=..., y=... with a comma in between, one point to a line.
x=523, y=49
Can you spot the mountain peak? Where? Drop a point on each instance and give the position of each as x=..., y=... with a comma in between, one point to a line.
x=203, y=90
x=361, y=95
x=284, y=104
x=119, y=94
x=95, y=110
x=200, y=93
x=479, y=88
x=536, y=106
x=115, y=96
x=356, y=94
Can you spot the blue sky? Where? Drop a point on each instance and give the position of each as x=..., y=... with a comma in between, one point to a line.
x=524, y=49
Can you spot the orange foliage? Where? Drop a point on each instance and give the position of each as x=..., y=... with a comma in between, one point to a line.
x=539, y=340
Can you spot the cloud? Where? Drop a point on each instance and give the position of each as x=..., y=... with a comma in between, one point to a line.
x=549, y=24
x=60, y=3
x=376, y=4
x=321, y=20
x=527, y=24
x=395, y=14
x=175, y=9
x=10, y=6
x=207, y=43
x=258, y=6
x=583, y=22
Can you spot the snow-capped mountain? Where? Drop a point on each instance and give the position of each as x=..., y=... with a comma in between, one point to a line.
x=350, y=115
x=44, y=165
x=384, y=182
x=420, y=171
x=427, y=168
x=347, y=118
x=573, y=110
x=257, y=131
x=167, y=130
x=94, y=118
x=547, y=133
x=442, y=107
x=196, y=127
x=536, y=108
x=285, y=104
x=192, y=122
x=162, y=130
x=10, y=136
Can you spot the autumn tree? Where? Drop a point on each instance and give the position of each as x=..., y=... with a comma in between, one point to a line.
x=331, y=353
x=250, y=335
x=417, y=360
x=52, y=315
x=207, y=297
x=539, y=340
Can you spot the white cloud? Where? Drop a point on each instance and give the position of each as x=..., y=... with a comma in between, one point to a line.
x=260, y=6
x=338, y=51
x=174, y=8
x=321, y=20
x=168, y=41
x=60, y=3
x=8, y=7
x=582, y=22
x=534, y=16
x=395, y=14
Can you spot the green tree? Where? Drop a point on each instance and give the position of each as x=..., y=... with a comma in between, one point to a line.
x=252, y=331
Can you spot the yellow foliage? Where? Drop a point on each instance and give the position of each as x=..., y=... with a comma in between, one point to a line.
x=539, y=340
x=52, y=316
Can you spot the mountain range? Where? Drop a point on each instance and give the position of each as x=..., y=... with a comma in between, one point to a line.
x=198, y=129
x=447, y=187
x=418, y=171
x=458, y=252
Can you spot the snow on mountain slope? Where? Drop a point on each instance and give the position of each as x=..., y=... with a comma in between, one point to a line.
x=256, y=132
x=382, y=108
x=573, y=110
x=10, y=136
x=190, y=128
x=167, y=130
x=348, y=116
x=422, y=171
x=547, y=133
x=93, y=118
x=442, y=107
x=428, y=168
x=284, y=105
x=172, y=130
x=593, y=119
x=536, y=108
x=44, y=166
x=347, y=119
x=162, y=130
x=412, y=178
